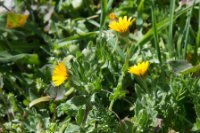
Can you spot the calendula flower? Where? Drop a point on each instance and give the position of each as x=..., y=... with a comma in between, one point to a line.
x=122, y=25
x=112, y=16
x=60, y=74
x=139, y=69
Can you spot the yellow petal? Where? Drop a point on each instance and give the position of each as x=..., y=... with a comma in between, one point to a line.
x=122, y=25
x=139, y=69
x=59, y=74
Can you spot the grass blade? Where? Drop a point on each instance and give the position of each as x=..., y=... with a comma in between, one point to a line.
x=197, y=39
x=155, y=34
x=161, y=25
x=171, y=20
x=103, y=13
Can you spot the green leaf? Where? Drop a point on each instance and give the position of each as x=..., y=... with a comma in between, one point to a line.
x=126, y=127
x=196, y=126
x=191, y=70
x=72, y=129
x=71, y=107
x=139, y=91
x=33, y=59
x=75, y=38
x=6, y=56
x=80, y=115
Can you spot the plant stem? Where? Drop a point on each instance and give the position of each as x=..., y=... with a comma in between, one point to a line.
x=69, y=92
x=111, y=105
x=142, y=83
x=123, y=71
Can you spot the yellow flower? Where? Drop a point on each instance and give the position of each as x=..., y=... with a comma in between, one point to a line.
x=112, y=16
x=139, y=69
x=121, y=25
x=60, y=74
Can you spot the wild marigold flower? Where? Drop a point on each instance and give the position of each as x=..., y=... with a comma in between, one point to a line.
x=122, y=25
x=139, y=69
x=112, y=16
x=60, y=74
